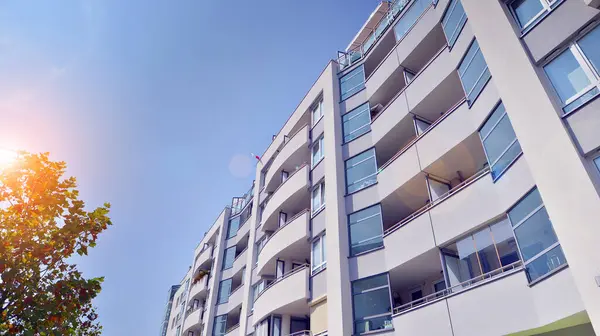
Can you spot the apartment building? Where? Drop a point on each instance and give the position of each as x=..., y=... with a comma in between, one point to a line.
x=440, y=177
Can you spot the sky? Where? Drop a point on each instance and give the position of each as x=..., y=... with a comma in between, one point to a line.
x=156, y=106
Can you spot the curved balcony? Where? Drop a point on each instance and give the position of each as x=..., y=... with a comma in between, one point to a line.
x=287, y=295
x=287, y=242
x=293, y=153
x=199, y=289
x=204, y=259
x=290, y=197
x=193, y=321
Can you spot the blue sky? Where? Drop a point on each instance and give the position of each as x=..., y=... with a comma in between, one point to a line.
x=150, y=102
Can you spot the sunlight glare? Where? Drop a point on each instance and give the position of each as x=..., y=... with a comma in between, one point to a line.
x=7, y=157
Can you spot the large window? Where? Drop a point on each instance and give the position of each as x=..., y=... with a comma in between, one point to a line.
x=529, y=12
x=361, y=171
x=473, y=72
x=318, y=197
x=597, y=162
x=224, y=291
x=352, y=82
x=228, y=258
x=317, y=151
x=410, y=17
x=575, y=72
x=366, y=229
x=317, y=111
x=453, y=21
x=482, y=252
x=234, y=225
x=372, y=304
x=356, y=122
x=220, y=325
x=318, y=254
x=537, y=241
x=499, y=141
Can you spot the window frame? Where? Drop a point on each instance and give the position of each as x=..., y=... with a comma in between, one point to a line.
x=320, y=240
x=450, y=41
x=225, y=259
x=368, y=111
x=364, y=177
x=547, y=8
x=586, y=66
x=224, y=323
x=352, y=294
x=482, y=139
x=354, y=90
x=380, y=214
x=470, y=102
x=318, y=187
x=541, y=253
x=318, y=105
x=320, y=142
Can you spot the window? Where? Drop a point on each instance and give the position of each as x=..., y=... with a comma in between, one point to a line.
x=361, y=171
x=228, y=258
x=317, y=112
x=232, y=229
x=499, y=141
x=220, y=325
x=356, y=122
x=453, y=21
x=473, y=72
x=366, y=230
x=277, y=326
x=529, y=12
x=178, y=332
x=482, y=252
x=352, y=82
x=597, y=162
x=537, y=241
x=574, y=74
x=318, y=254
x=224, y=291
x=410, y=17
x=317, y=151
x=372, y=304
x=318, y=197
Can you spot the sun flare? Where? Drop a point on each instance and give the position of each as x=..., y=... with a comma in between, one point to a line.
x=7, y=157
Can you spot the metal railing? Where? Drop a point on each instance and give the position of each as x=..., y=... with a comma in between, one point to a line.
x=301, y=333
x=283, y=277
x=233, y=327
x=457, y=288
x=439, y=200
x=349, y=57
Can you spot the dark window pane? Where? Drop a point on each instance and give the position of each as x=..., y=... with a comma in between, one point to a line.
x=356, y=122
x=372, y=303
x=525, y=206
x=545, y=263
x=352, y=82
x=409, y=18
x=361, y=171
x=224, y=291
x=590, y=44
x=535, y=234
x=366, y=230
x=453, y=21
x=506, y=159
x=499, y=139
x=234, y=225
x=359, y=286
x=492, y=120
x=229, y=257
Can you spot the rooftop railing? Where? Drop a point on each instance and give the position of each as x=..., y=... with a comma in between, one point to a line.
x=350, y=57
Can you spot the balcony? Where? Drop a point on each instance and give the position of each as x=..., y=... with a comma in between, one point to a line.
x=288, y=242
x=293, y=154
x=199, y=289
x=290, y=197
x=193, y=321
x=479, y=200
x=287, y=295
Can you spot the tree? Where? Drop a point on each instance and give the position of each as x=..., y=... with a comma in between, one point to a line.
x=43, y=223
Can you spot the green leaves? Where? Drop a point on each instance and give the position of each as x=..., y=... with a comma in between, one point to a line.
x=42, y=223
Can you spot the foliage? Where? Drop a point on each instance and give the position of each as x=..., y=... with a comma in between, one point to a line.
x=43, y=223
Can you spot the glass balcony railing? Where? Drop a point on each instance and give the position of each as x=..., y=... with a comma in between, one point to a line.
x=349, y=57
